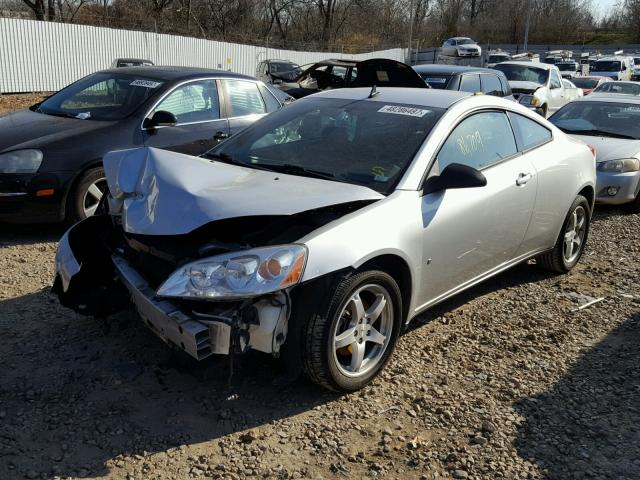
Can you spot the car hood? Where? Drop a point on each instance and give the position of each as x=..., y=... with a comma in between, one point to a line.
x=608, y=148
x=524, y=86
x=27, y=129
x=158, y=192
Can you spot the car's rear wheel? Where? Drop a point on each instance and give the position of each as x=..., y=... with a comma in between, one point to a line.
x=347, y=344
x=87, y=194
x=572, y=239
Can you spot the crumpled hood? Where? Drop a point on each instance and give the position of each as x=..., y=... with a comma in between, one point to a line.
x=608, y=148
x=524, y=86
x=165, y=193
x=27, y=129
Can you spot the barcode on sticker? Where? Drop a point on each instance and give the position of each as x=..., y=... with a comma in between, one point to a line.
x=398, y=110
x=145, y=83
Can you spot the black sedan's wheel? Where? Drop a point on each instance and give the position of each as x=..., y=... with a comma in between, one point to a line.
x=87, y=194
x=572, y=239
x=347, y=345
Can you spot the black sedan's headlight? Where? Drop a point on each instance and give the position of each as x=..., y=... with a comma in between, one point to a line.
x=20, y=161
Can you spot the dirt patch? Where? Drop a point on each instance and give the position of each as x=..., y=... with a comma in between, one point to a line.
x=10, y=103
x=503, y=381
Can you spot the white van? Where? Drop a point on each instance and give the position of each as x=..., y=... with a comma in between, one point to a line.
x=617, y=68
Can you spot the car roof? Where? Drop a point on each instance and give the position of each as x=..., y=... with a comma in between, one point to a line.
x=174, y=73
x=280, y=61
x=449, y=69
x=609, y=59
x=460, y=38
x=543, y=66
x=127, y=59
x=337, y=62
x=423, y=97
x=606, y=97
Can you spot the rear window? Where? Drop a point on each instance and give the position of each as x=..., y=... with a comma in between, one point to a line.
x=585, y=82
x=607, y=66
x=619, y=87
x=436, y=81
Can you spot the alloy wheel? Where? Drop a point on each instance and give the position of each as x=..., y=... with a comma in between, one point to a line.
x=363, y=330
x=93, y=195
x=574, y=234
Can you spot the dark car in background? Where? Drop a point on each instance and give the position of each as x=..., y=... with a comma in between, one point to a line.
x=277, y=71
x=51, y=153
x=330, y=74
x=465, y=79
x=131, y=62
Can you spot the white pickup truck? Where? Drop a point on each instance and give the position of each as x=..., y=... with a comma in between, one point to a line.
x=538, y=86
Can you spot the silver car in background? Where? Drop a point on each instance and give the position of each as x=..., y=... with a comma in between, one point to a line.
x=610, y=124
x=319, y=232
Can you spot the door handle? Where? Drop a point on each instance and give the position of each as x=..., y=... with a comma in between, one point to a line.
x=220, y=135
x=523, y=178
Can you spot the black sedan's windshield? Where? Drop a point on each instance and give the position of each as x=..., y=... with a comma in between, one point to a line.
x=618, y=120
x=521, y=73
x=566, y=67
x=101, y=96
x=607, y=66
x=369, y=143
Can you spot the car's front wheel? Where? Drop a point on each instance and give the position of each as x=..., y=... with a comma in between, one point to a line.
x=348, y=343
x=86, y=195
x=572, y=239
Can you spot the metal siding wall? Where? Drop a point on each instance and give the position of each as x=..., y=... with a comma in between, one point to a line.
x=43, y=56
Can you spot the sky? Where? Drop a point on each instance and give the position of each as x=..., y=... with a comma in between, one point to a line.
x=602, y=6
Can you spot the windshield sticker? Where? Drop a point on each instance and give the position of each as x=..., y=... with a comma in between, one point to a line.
x=410, y=111
x=632, y=109
x=436, y=80
x=84, y=115
x=382, y=75
x=145, y=83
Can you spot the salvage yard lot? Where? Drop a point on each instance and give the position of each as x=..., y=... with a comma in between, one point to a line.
x=503, y=381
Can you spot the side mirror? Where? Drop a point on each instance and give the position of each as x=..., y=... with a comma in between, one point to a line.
x=161, y=118
x=455, y=175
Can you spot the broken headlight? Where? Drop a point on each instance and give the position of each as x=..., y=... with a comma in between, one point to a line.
x=20, y=161
x=239, y=274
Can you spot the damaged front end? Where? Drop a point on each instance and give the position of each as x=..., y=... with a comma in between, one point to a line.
x=222, y=287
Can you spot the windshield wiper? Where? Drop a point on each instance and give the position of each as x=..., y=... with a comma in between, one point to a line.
x=297, y=170
x=596, y=132
x=59, y=114
x=223, y=157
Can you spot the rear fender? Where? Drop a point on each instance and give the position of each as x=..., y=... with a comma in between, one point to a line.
x=85, y=278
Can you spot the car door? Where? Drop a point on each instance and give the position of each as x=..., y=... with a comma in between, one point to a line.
x=196, y=106
x=556, y=93
x=243, y=103
x=469, y=232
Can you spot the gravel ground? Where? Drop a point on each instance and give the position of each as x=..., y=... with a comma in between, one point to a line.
x=504, y=381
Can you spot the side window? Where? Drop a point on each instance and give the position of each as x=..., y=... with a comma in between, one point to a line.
x=505, y=87
x=470, y=83
x=244, y=98
x=491, y=85
x=270, y=101
x=479, y=141
x=193, y=102
x=555, y=79
x=530, y=134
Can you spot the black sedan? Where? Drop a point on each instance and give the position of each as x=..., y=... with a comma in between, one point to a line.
x=51, y=153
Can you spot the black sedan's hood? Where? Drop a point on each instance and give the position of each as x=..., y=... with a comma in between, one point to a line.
x=28, y=129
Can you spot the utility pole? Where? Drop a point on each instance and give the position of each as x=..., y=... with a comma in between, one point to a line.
x=410, y=29
x=526, y=27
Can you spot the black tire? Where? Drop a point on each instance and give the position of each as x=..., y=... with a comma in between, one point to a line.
x=318, y=348
x=633, y=206
x=77, y=196
x=554, y=260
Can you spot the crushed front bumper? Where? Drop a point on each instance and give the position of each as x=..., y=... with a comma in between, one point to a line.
x=167, y=321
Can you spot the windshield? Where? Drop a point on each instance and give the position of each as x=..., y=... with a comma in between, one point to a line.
x=566, y=67
x=435, y=80
x=607, y=66
x=286, y=70
x=520, y=73
x=599, y=118
x=585, y=82
x=101, y=96
x=466, y=41
x=368, y=143
x=619, y=87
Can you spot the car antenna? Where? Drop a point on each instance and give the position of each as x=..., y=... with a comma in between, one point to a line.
x=373, y=92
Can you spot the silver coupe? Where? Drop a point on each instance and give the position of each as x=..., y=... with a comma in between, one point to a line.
x=319, y=232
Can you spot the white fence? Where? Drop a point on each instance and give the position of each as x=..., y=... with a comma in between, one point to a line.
x=43, y=56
